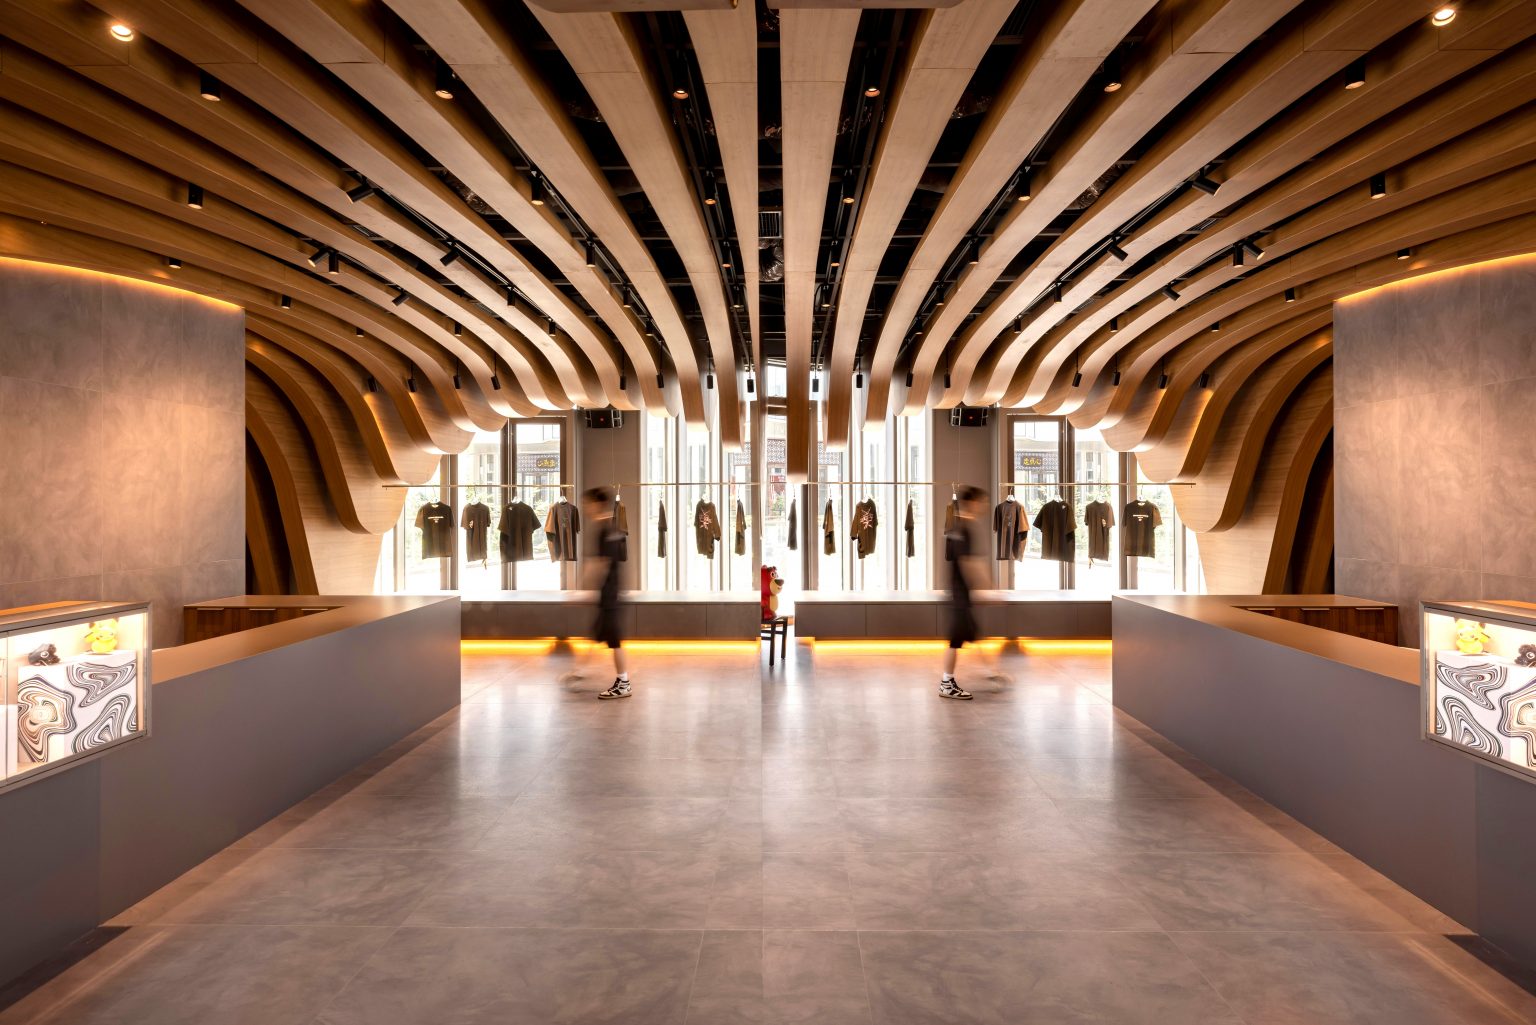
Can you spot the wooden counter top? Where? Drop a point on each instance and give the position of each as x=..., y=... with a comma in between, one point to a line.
x=1228, y=612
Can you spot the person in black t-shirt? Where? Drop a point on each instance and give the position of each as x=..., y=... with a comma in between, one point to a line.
x=607, y=628
x=960, y=554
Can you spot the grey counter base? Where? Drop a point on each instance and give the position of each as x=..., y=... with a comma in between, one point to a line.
x=645, y=615
x=233, y=744
x=1338, y=747
x=922, y=615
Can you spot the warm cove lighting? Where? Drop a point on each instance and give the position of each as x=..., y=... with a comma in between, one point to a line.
x=1443, y=17
x=122, y=33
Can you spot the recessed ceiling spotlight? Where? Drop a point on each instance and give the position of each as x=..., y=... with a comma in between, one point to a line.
x=679, y=93
x=208, y=87
x=726, y=264
x=1443, y=17
x=1215, y=326
x=834, y=263
x=872, y=91
x=359, y=332
x=122, y=33
x=1354, y=75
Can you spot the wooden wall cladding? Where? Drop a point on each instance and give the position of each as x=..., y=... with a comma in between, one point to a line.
x=439, y=214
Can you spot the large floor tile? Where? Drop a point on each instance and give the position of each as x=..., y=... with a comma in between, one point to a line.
x=998, y=978
x=423, y=822
x=1176, y=824
x=782, y=890
x=552, y=822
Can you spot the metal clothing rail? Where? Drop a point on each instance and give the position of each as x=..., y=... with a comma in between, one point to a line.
x=1092, y=484
x=457, y=487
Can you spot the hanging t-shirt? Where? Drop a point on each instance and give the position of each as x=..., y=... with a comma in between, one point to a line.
x=620, y=547
x=1138, y=529
x=561, y=526
x=865, y=524
x=1058, y=527
x=794, y=528
x=706, y=528
x=741, y=528
x=517, y=527
x=911, y=548
x=1010, y=529
x=828, y=531
x=476, y=522
x=661, y=530
x=1098, y=518
x=436, y=522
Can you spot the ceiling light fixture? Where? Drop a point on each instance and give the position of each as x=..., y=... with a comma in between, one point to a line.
x=1205, y=379
x=1077, y=379
x=410, y=383
x=847, y=200
x=1403, y=254
x=122, y=33
x=552, y=332
x=1237, y=256
x=373, y=385
x=512, y=296
x=333, y=263
x=815, y=383
x=443, y=88
x=400, y=299
x=361, y=193
x=1173, y=296
x=872, y=91
x=1023, y=194
x=173, y=262
x=1354, y=75
x=975, y=255
x=624, y=381
x=451, y=255
x=1114, y=324
x=591, y=255
x=1113, y=80
x=726, y=265
x=319, y=254
x=1290, y=295
x=458, y=330
x=858, y=378
x=536, y=191
x=1018, y=325
x=1114, y=378
x=495, y=382
x=679, y=93
x=1378, y=186
x=359, y=332
x=1114, y=250
x=209, y=88
x=1162, y=380
x=1252, y=248
x=194, y=196
x=458, y=383
x=910, y=378
x=1215, y=326
x=286, y=302
x=709, y=200
x=1059, y=296
x=1441, y=18
x=661, y=381
x=947, y=382
x=1205, y=185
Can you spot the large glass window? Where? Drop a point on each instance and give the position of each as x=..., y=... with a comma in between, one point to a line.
x=537, y=452
x=424, y=507
x=1036, y=469
x=694, y=477
x=479, y=503
x=1160, y=572
x=778, y=500
x=832, y=501
x=1096, y=470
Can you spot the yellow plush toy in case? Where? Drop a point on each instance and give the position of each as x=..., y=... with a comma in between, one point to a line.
x=102, y=637
x=1470, y=637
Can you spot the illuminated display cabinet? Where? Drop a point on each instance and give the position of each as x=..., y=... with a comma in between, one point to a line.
x=1479, y=675
x=76, y=684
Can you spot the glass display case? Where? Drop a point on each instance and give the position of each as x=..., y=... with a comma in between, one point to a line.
x=1479, y=680
x=76, y=682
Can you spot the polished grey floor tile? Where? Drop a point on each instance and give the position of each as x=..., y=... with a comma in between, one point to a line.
x=992, y=891
x=452, y=774
x=1139, y=775
x=553, y=822
x=580, y=775
x=1000, y=978
x=1211, y=824
x=425, y=822
x=977, y=823
x=218, y=975
x=1291, y=978
x=522, y=977
x=814, y=978
x=1230, y=892
x=728, y=986
x=590, y=890
x=782, y=890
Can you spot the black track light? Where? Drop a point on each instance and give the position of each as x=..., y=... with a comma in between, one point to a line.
x=442, y=87
x=751, y=385
x=709, y=377
x=1018, y=325
x=858, y=379
x=373, y=385
x=1113, y=79
x=1205, y=380
x=1059, y=297
x=1114, y=324
x=1162, y=380
x=194, y=196
x=449, y=257
x=623, y=381
x=319, y=254
x=661, y=382
x=815, y=383
x=361, y=193
x=1378, y=186
x=1290, y=295
x=399, y=300
x=410, y=383
x=1023, y=193
x=552, y=331
x=1173, y=296
x=1237, y=256
x=286, y=302
x=1205, y=184
x=495, y=382
x=1354, y=75
x=1251, y=247
x=333, y=263
x=947, y=381
x=1114, y=250
x=359, y=332
x=591, y=255
x=910, y=378
x=458, y=384
x=1215, y=326
x=1114, y=378
x=1403, y=254
x=208, y=87
x=536, y=191
x=975, y=256
x=458, y=330
x=173, y=262
x=511, y=296
x=1077, y=379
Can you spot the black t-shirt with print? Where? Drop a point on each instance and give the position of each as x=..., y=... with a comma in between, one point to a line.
x=436, y=522
x=1138, y=529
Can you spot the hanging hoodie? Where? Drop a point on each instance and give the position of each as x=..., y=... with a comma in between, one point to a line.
x=661, y=530
x=828, y=531
x=706, y=527
x=794, y=528
x=911, y=548
x=741, y=528
x=865, y=523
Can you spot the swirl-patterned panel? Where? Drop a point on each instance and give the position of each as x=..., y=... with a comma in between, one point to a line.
x=1486, y=704
x=74, y=707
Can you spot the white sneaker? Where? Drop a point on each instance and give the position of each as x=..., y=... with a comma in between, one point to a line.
x=620, y=689
x=951, y=689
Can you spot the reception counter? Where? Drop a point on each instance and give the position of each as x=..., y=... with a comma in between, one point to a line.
x=246, y=725
x=1326, y=727
x=645, y=615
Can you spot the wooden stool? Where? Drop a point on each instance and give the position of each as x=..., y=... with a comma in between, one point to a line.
x=778, y=627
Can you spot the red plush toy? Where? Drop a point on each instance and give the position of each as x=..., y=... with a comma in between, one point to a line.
x=772, y=585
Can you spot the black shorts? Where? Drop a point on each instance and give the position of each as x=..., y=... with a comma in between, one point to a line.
x=605, y=630
x=962, y=626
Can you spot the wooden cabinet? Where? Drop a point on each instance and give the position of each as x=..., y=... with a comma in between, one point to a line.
x=1372, y=622
x=203, y=622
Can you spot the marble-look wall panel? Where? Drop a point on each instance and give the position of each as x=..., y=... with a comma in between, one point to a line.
x=122, y=409
x=1435, y=456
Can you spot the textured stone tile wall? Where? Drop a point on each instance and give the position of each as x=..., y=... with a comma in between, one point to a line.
x=1434, y=438
x=122, y=442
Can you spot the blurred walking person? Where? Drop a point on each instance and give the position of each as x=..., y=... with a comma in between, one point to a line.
x=610, y=550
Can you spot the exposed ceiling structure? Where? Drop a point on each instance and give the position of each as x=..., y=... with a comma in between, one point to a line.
x=443, y=213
